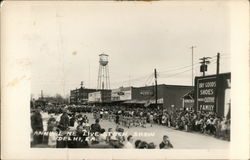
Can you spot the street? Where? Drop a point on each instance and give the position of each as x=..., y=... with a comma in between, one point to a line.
x=179, y=139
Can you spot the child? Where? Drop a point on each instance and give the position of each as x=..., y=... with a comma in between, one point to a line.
x=52, y=138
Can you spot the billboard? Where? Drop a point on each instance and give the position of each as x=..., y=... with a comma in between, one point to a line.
x=206, y=88
x=122, y=94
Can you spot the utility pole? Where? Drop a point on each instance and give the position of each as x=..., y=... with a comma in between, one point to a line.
x=81, y=84
x=218, y=64
x=204, y=62
x=41, y=94
x=192, y=48
x=217, y=81
x=156, y=96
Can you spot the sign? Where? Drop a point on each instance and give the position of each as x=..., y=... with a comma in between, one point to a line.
x=147, y=93
x=127, y=95
x=206, y=88
x=120, y=93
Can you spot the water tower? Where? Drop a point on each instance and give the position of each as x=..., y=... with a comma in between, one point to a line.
x=103, y=74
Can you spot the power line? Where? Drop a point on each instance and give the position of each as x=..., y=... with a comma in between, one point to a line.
x=177, y=73
x=176, y=68
x=173, y=75
x=164, y=73
x=133, y=80
x=149, y=78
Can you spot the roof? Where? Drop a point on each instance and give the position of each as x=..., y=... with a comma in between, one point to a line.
x=103, y=54
x=211, y=75
x=164, y=85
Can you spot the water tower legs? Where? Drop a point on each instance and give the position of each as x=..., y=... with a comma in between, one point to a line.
x=103, y=81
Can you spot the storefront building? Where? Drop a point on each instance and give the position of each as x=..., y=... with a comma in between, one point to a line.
x=168, y=96
x=102, y=96
x=80, y=95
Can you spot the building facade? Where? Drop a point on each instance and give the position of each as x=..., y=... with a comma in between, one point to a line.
x=100, y=96
x=80, y=95
x=168, y=96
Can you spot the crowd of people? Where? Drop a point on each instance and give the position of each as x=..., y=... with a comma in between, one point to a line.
x=69, y=126
x=67, y=129
x=187, y=120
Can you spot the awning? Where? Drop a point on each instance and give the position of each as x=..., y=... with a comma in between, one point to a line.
x=189, y=95
x=146, y=102
x=135, y=102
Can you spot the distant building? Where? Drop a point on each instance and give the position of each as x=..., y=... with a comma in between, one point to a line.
x=100, y=96
x=188, y=100
x=122, y=94
x=80, y=95
x=169, y=96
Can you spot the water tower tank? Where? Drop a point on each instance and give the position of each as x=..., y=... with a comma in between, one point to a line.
x=103, y=59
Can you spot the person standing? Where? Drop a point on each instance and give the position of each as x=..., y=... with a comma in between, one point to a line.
x=37, y=126
x=101, y=114
x=53, y=135
x=151, y=119
x=64, y=121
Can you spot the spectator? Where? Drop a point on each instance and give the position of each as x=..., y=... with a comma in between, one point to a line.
x=165, y=144
x=223, y=128
x=143, y=145
x=151, y=145
x=64, y=121
x=51, y=124
x=36, y=121
x=72, y=120
x=103, y=136
x=52, y=138
x=137, y=143
x=96, y=127
x=37, y=125
x=151, y=119
x=129, y=143
x=81, y=143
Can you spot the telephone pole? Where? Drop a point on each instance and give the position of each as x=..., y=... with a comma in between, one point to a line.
x=218, y=64
x=156, y=96
x=217, y=80
x=41, y=94
x=81, y=84
x=192, y=48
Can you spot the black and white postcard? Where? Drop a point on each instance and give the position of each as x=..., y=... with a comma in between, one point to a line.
x=124, y=79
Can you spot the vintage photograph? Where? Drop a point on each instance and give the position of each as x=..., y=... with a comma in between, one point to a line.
x=130, y=75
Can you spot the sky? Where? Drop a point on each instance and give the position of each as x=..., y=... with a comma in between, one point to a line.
x=66, y=38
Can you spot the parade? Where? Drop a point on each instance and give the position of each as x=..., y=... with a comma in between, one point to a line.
x=114, y=118
x=68, y=123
